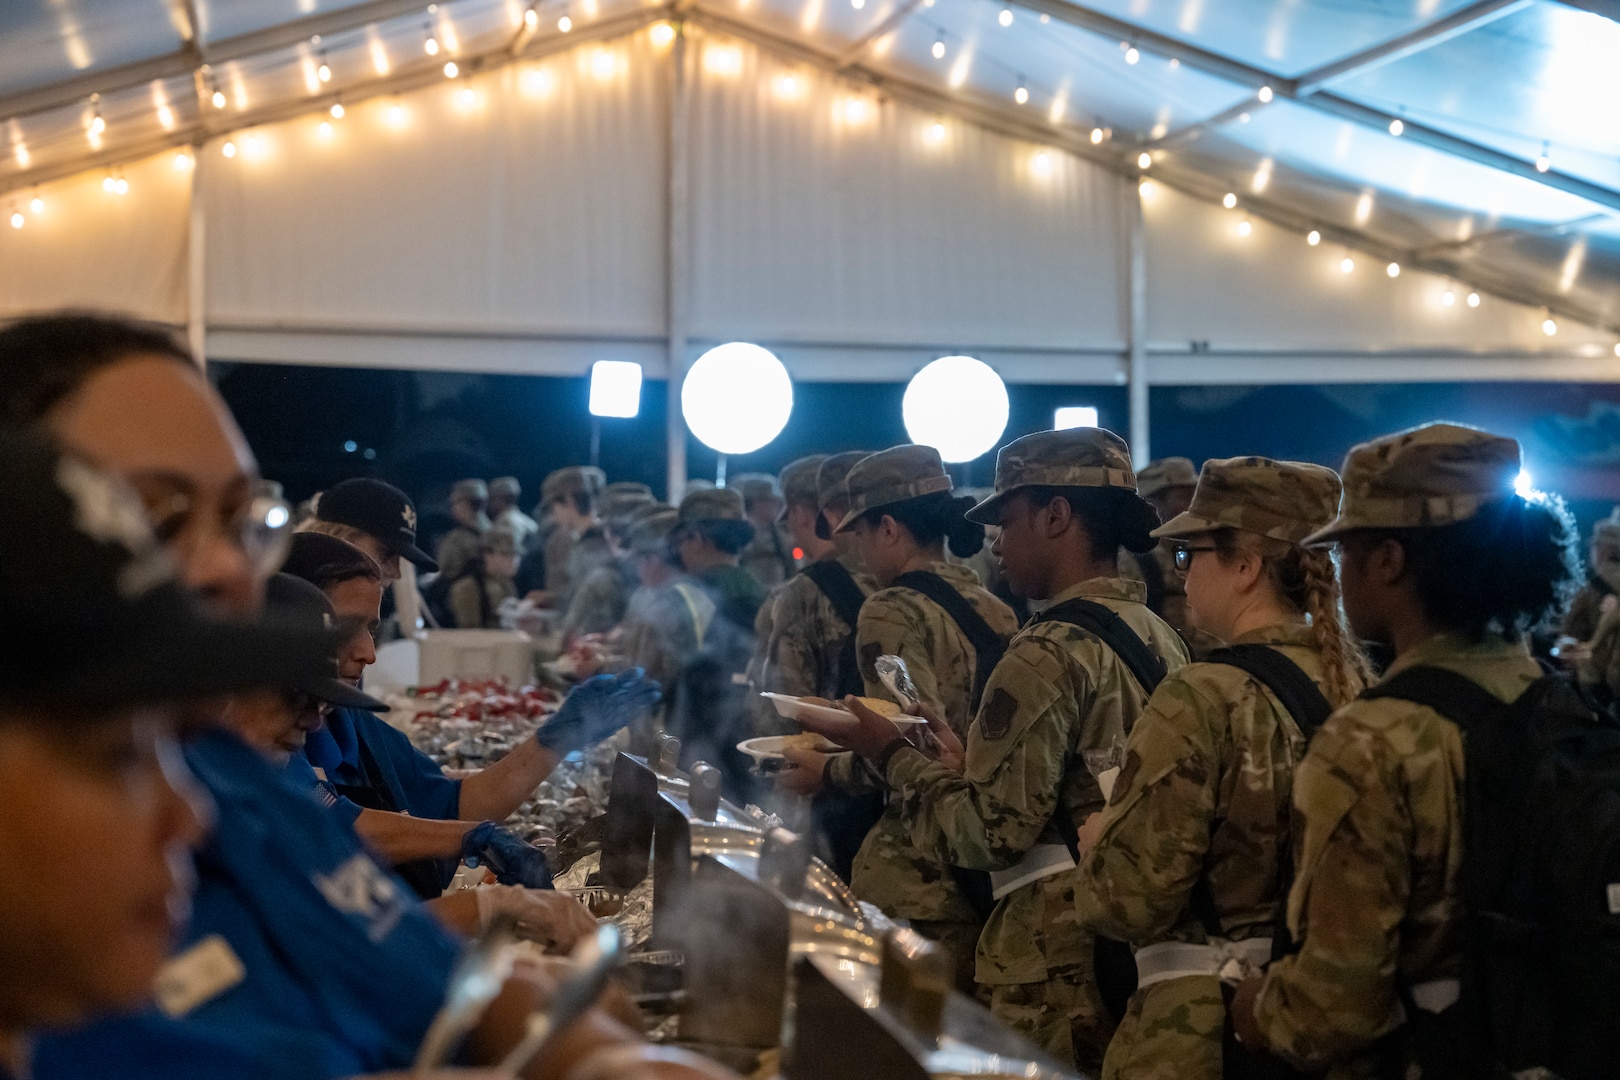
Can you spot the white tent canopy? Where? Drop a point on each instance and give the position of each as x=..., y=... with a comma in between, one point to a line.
x=806, y=174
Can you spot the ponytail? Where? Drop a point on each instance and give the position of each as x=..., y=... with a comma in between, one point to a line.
x=1307, y=580
x=1113, y=517
x=935, y=517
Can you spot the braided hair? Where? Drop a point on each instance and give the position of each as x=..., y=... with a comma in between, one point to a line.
x=1308, y=581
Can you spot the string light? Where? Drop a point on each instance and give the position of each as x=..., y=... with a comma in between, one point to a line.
x=1265, y=95
x=1313, y=238
x=1144, y=160
x=1097, y=136
x=662, y=34
x=37, y=204
x=531, y=18
x=1347, y=265
x=1041, y=163
x=325, y=129
x=1006, y=17
x=854, y=110
x=253, y=146
x=1617, y=348
x=1245, y=227
x=857, y=4
x=1448, y=298
x=1132, y=56
x=23, y=157
x=936, y=131
x=1147, y=189
x=1021, y=95
x=451, y=70
x=467, y=97
x=939, y=47
x=97, y=124
x=1548, y=326
x=182, y=161
x=337, y=110
x=108, y=184
x=324, y=72
x=1393, y=270
x=1174, y=63
x=1473, y=299
x=564, y=24
x=17, y=220
x=431, y=45
x=1229, y=200
x=395, y=115
x=165, y=116
x=1543, y=163
x=1396, y=127
x=121, y=186
x=603, y=65
x=218, y=99
x=229, y=149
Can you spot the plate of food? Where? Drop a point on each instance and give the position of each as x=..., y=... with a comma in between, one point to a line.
x=767, y=750
x=795, y=708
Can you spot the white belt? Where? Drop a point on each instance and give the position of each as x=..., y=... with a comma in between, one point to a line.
x=1040, y=861
x=1437, y=995
x=1177, y=959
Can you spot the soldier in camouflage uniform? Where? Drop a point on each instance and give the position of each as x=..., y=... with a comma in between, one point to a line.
x=504, y=493
x=1167, y=485
x=1201, y=808
x=602, y=597
x=769, y=555
x=1065, y=501
x=462, y=547
x=1375, y=902
x=910, y=483
x=668, y=616
x=1581, y=623
x=475, y=600
x=569, y=497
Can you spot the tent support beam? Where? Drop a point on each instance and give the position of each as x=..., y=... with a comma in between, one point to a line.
x=678, y=261
x=1459, y=22
x=197, y=263
x=1139, y=381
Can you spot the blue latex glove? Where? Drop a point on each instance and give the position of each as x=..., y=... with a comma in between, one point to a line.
x=598, y=708
x=512, y=861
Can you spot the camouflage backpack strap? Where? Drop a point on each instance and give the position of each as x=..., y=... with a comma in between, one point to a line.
x=988, y=645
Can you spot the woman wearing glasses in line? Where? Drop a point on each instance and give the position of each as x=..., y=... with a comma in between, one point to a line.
x=1183, y=863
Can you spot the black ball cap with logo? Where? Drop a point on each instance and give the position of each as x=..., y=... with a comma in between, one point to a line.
x=95, y=615
x=376, y=509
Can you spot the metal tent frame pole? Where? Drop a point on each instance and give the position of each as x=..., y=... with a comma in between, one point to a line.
x=678, y=264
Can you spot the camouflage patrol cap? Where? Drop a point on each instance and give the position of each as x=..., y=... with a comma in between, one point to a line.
x=621, y=504
x=573, y=480
x=626, y=487
x=1284, y=500
x=1073, y=457
x=799, y=481
x=500, y=541
x=474, y=490
x=711, y=504
x=1438, y=474
x=649, y=535
x=1608, y=529
x=830, y=486
x=1165, y=473
x=755, y=485
x=507, y=486
x=893, y=475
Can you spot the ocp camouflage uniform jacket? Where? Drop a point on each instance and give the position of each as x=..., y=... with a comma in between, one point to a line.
x=890, y=871
x=601, y=600
x=1204, y=795
x=1378, y=849
x=807, y=636
x=664, y=626
x=1058, y=692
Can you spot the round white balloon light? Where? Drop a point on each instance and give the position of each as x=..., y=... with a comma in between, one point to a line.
x=957, y=405
x=737, y=398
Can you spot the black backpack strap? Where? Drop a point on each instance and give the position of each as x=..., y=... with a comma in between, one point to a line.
x=837, y=584
x=1455, y=697
x=988, y=646
x=1284, y=678
x=1104, y=622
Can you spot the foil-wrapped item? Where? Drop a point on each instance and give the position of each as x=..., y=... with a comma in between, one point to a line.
x=891, y=671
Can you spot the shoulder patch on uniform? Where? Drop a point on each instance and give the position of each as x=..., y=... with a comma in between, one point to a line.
x=996, y=715
x=869, y=654
x=1127, y=775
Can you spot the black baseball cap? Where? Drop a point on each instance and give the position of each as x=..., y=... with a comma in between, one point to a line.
x=321, y=559
x=95, y=614
x=376, y=509
x=292, y=601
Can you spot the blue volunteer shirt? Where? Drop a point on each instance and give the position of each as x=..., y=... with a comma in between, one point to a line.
x=338, y=970
x=415, y=782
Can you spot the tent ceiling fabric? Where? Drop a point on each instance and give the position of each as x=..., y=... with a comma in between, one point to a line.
x=1476, y=138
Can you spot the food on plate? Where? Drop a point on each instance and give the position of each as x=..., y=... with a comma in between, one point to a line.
x=809, y=740
x=877, y=705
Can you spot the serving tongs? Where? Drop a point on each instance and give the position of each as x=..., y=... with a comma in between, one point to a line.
x=593, y=961
x=475, y=982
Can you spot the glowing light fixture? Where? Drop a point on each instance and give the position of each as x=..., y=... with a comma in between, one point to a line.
x=1396, y=127
x=324, y=72
x=1132, y=56
x=1549, y=327
x=565, y=24
x=736, y=398
x=337, y=110
x=1393, y=269
x=936, y=131
x=1006, y=17
x=37, y=204
x=218, y=99
x=1265, y=95
x=662, y=34
x=1313, y=238
x=1021, y=95
x=1245, y=227
x=615, y=388
x=957, y=405
x=325, y=129
x=1347, y=265
x=1073, y=416
x=165, y=116
x=1097, y=136
x=1147, y=189
x=451, y=70
x=229, y=149
x=603, y=65
x=531, y=18
x=1524, y=484
x=17, y=220
x=1229, y=200
x=1473, y=299
x=1544, y=162
x=1041, y=163
x=939, y=47
x=1448, y=299
x=431, y=45
x=1144, y=160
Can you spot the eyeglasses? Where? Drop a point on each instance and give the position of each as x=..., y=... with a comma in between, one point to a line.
x=260, y=526
x=1184, y=556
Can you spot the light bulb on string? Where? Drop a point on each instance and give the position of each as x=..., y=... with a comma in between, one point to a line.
x=1096, y=136
x=1021, y=95
x=324, y=72
x=1144, y=160
x=1006, y=17
x=17, y=220
x=22, y=155
x=1313, y=238
x=1548, y=326
x=662, y=34
x=120, y=185
x=564, y=23
x=1265, y=95
x=1617, y=348
x=939, y=47
x=1229, y=200
x=97, y=124
x=431, y=45
x=451, y=70
x=182, y=161
x=165, y=117
x=1448, y=298
x=229, y=149
x=1132, y=56
x=1245, y=227
x=337, y=110
x=1393, y=269
x=325, y=129
x=1473, y=299
x=936, y=131
x=37, y=204
x=531, y=18
x=467, y=96
x=1396, y=127
x=218, y=99
x=1544, y=162
x=1347, y=265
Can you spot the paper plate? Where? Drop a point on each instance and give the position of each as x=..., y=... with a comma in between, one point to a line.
x=795, y=708
x=770, y=747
